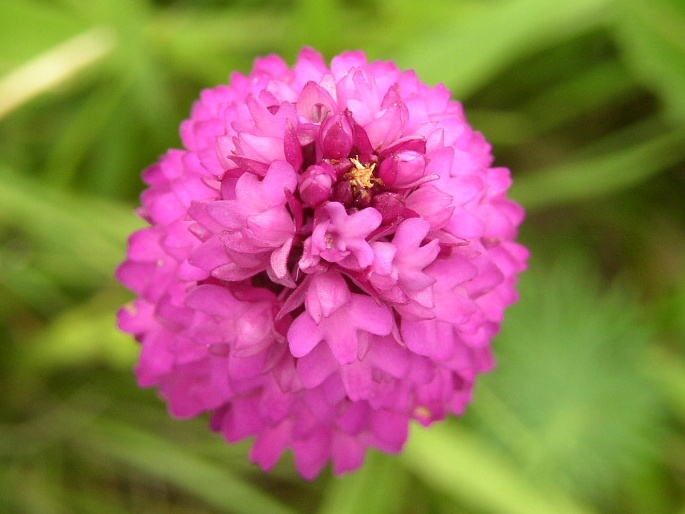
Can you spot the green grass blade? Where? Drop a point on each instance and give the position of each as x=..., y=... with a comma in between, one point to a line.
x=600, y=175
x=458, y=463
x=466, y=51
x=181, y=467
x=82, y=335
x=377, y=487
x=92, y=231
x=587, y=92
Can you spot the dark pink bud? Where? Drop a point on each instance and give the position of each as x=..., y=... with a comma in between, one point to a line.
x=361, y=139
x=363, y=198
x=316, y=184
x=390, y=205
x=335, y=137
x=342, y=167
x=342, y=192
x=404, y=169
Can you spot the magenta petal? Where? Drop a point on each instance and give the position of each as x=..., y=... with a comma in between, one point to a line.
x=250, y=165
x=348, y=454
x=410, y=233
x=291, y=147
x=242, y=420
x=232, y=272
x=211, y=299
x=413, y=143
x=391, y=429
x=428, y=337
x=370, y=316
x=260, y=148
x=270, y=228
x=327, y=293
x=311, y=454
x=354, y=417
x=295, y=299
x=227, y=212
x=363, y=222
x=431, y=204
x=279, y=259
x=390, y=205
x=280, y=177
x=383, y=256
x=144, y=245
x=315, y=103
x=303, y=335
x=270, y=445
x=387, y=355
x=403, y=170
x=342, y=339
x=357, y=381
x=316, y=366
x=155, y=363
x=209, y=255
x=387, y=127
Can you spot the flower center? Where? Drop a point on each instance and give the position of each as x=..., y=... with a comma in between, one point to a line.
x=361, y=176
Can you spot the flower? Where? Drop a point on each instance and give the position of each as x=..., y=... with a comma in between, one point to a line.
x=327, y=260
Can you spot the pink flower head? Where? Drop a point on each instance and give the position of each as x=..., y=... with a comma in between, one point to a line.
x=327, y=260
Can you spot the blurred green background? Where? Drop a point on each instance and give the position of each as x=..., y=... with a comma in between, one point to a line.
x=585, y=102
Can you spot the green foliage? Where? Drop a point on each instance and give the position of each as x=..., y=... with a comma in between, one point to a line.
x=584, y=101
x=459, y=463
x=572, y=406
x=652, y=34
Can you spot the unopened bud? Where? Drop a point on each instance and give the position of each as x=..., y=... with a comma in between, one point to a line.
x=316, y=184
x=403, y=169
x=390, y=205
x=342, y=192
x=336, y=137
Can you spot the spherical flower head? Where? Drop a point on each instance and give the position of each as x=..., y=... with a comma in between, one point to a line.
x=327, y=260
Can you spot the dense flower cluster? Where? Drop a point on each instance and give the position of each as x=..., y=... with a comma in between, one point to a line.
x=327, y=260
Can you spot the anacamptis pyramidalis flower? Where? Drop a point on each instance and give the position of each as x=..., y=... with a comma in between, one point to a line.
x=328, y=259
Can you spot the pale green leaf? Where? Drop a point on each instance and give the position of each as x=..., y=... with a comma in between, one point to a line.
x=30, y=27
x=464, y=52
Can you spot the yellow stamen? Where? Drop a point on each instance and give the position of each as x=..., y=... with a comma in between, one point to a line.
x=361, y=176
